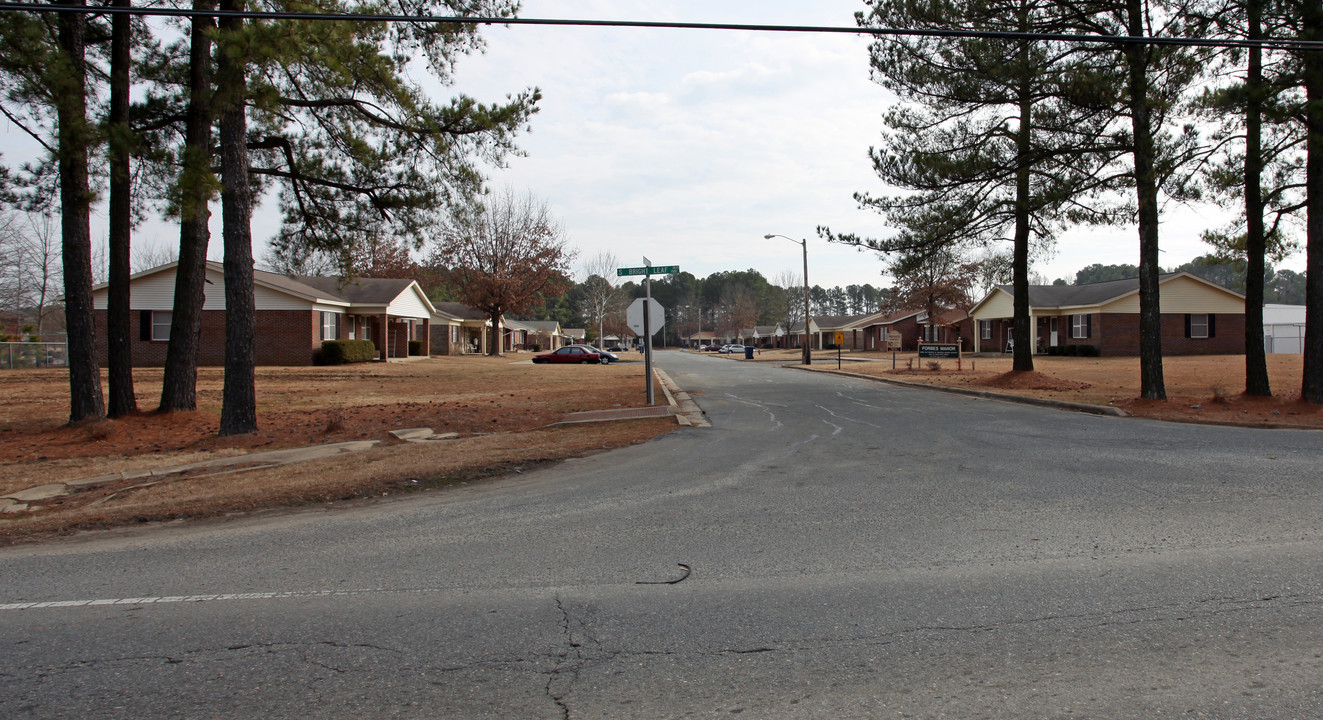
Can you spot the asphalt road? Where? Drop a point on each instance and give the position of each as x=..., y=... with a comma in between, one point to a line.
x=854, y=550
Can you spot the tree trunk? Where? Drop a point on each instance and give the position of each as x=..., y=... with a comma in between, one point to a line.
x=1311, y=386
x=85, y=399
x=1146, y=194
x=495, y=348
x=1023, y=352
x=118, y=314
x=239, y=397
x=1256, y=364
x=179, y=385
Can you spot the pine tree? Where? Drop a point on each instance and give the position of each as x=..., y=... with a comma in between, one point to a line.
x=119, y=358
x=992, y=134
x=1259, y=162
x=1147, y=85
x=192, y=191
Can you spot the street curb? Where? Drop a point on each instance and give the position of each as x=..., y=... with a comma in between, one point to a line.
x=1105, y=410
x=686, y=411
x=593, y=416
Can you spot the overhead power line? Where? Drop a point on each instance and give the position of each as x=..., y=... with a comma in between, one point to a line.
x=1267, y=43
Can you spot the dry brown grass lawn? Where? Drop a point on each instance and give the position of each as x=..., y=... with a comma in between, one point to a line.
x=502, y=409
x=1205, y=389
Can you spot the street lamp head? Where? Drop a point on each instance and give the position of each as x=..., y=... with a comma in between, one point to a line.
x=787, y=237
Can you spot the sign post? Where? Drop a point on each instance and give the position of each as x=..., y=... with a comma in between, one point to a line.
x=648, y=324
x=894, y=343
x=840, y=340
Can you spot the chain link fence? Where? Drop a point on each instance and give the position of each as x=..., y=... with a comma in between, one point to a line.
x=17, y=355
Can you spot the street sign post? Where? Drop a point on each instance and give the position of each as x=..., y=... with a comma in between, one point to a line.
x=634, y=316
x=647, y=324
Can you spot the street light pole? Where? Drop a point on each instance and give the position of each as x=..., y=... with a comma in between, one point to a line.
x=808, y=355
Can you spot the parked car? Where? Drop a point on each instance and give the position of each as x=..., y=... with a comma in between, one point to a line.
x=607, y=356
x=712, y=348
x=616, y=349
x=733, y=349
x=568, y=354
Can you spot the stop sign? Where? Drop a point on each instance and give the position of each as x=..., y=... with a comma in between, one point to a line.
x=634, y=316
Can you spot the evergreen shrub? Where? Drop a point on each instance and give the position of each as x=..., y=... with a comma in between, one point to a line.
x=342, y=352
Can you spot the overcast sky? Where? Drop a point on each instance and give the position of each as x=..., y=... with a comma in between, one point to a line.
x=687, y=146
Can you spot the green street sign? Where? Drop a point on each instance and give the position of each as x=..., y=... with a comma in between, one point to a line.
x=658, y=270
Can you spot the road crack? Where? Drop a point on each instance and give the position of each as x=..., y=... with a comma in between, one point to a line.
x=565, y=672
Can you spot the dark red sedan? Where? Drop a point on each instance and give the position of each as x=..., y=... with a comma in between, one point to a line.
x=568, y=354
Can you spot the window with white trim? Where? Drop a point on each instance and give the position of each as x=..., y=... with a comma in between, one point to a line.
x=330, y=326
x=985, y=329
x=1198, y=325
x=161, y=325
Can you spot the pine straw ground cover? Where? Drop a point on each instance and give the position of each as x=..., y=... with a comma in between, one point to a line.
x=1201, y=389
x=502, y=408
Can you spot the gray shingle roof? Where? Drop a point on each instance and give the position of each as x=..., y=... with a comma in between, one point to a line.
x=831, y=322
x=461, y=311
x=360, y=291
x=1089, y=294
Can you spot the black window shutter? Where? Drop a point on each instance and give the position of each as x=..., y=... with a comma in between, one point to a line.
x=1187, y=324
x=1212, y=325
x=145, y=325
x=1088, y=326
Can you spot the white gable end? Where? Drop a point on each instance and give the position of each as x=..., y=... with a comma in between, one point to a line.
x=157, y=292
x=408, y=304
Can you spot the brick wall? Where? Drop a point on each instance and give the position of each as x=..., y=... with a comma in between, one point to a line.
x=284, y=337
x=287, y=337
x=440, y=337
x=1118, y=334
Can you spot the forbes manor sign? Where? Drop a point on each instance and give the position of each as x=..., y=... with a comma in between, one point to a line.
x=939, y=350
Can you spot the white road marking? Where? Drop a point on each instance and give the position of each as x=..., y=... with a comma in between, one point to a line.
x=167, y=599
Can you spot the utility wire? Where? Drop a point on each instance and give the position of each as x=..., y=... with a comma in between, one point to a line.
x=1266, y=43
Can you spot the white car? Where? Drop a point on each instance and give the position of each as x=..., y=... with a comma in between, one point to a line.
x=731, y=350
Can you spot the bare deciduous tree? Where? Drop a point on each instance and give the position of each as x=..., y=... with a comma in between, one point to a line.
x=601, y=297
x=30, y=267
x=792, y=289
x=507, y=253
x=146, y=257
